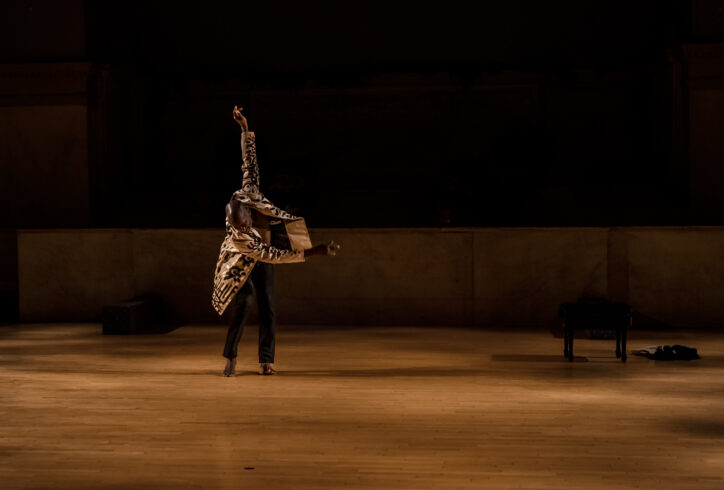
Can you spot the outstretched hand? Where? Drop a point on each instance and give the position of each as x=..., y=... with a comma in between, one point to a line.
x=239, y=118
x=331, y=248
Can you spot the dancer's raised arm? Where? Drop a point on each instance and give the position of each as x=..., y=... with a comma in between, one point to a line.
x=249, y=165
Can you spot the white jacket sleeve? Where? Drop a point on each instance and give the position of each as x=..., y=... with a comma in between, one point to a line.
x=249, y=165
x=249, y=243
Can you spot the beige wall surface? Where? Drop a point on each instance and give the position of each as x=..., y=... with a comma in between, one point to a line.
x=521, y=275
x=381, y=277
x=677, y=276
x=179, y=266
x=485, y=276
x=71, y=275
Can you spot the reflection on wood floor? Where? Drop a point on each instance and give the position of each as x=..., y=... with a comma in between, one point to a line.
x=376, y=408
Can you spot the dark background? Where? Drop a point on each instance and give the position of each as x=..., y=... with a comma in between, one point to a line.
x=516, y=113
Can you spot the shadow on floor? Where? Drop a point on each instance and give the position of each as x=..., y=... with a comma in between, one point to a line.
x=388, y=372
x=535, y=358
x=701, y=428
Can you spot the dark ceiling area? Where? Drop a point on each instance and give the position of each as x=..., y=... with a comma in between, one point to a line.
x=518, y=113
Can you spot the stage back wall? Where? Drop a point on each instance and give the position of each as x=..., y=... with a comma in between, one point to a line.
x=443, y=147
x=491, y=277
x=520, y=114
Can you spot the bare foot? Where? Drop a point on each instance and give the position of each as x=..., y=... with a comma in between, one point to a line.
x=230, y=369
x=266, y=369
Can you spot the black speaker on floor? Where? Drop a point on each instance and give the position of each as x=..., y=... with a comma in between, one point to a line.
x=143, y=314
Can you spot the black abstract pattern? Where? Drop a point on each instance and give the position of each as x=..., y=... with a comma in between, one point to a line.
x=239, y=253
x=232, y=270
x=249, y=166
x=242, y=248
x=263, y=205
x=250, y=194
x=268, y=253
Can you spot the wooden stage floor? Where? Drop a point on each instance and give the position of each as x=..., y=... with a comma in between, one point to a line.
x=377, y=408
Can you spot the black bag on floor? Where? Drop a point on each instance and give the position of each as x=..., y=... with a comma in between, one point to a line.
x=670, y=353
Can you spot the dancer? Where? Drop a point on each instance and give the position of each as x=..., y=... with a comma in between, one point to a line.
x=258, y=234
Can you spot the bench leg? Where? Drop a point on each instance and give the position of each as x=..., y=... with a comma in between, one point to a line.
x=624, y=334
x=618, y=342
x=570, y=345
x=565, y=340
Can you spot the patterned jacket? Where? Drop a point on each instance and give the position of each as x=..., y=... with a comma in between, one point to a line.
x=242, y=248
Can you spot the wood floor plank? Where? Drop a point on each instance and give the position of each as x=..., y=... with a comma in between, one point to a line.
x=356, y=408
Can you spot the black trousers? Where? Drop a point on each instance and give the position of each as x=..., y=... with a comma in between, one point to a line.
x=261, y=281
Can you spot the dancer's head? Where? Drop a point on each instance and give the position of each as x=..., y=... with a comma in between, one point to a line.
x=238, y=214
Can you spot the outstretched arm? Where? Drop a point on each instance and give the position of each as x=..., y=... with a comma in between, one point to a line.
x=251, y=244
x=329, y=249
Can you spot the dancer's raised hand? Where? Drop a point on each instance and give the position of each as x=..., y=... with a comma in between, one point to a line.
x=240, y=119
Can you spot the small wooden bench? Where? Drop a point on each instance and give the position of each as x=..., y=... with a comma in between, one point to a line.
x=595, y=313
